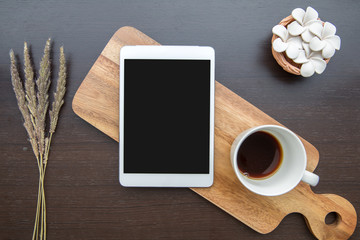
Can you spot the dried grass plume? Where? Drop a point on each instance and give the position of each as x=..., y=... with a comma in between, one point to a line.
x=33, y=102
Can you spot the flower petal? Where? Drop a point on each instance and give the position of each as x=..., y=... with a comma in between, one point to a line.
x=335, y=41
x=316, y=28
x=295, y=28
x=328, y=51
x=298, y=14
x=316, y=54
x=329, y=30
x=280, y=31
x=319, y=65
x=316, y=44
x=279, y=45
x=297, y=41
x=307, y=49
x=307, y=35
x=301, y=58
x=307, y=69
x=292, y=51
x=312, y=22
x=310, y=14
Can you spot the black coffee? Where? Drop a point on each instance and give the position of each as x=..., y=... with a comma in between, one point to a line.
x=260, y=155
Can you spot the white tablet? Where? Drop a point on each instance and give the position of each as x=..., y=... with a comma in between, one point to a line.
x=166, y=116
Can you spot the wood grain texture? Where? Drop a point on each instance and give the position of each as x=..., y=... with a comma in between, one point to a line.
x=96, y=101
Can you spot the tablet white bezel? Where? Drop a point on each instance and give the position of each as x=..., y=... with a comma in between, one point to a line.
x=175, y=179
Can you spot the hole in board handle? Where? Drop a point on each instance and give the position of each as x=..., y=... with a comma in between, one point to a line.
x=332, y=218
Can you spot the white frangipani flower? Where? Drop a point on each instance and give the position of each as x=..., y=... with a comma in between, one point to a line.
x=307, y=41
x=311, y=62
x=303, y=22
x=325, y=40
x=291, y=45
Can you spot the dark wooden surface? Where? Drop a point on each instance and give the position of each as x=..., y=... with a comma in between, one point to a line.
x=84, y=198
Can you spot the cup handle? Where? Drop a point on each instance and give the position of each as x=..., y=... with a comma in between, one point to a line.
x=310, y=178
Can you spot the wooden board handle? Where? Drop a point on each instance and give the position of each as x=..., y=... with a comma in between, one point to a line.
x=315, y=208
x=344, y=224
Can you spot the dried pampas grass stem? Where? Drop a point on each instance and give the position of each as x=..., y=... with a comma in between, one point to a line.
x=33, y=101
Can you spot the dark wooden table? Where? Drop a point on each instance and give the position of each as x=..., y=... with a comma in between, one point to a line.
x=84, y=197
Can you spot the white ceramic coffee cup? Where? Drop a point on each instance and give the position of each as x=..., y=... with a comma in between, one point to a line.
x=290, y=172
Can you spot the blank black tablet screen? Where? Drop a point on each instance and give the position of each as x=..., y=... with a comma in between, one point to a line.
x=166, y=116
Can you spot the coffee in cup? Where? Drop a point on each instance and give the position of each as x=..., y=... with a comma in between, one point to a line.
x=270, y=160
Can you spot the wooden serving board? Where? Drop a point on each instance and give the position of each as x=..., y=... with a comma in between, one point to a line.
x=97, y=102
